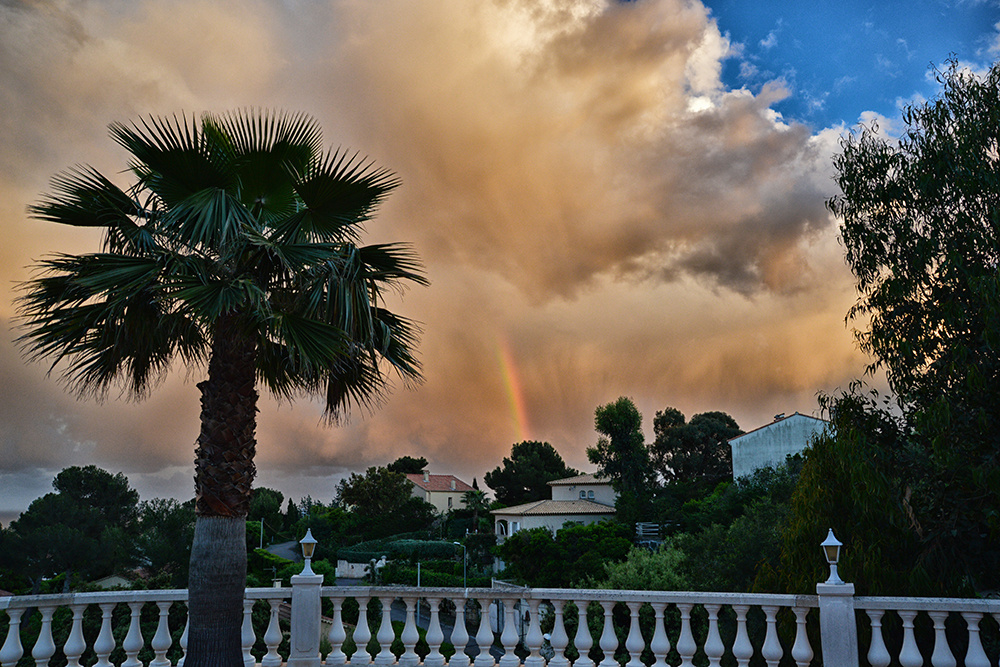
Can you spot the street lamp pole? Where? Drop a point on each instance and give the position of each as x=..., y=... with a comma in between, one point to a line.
x=465, y=564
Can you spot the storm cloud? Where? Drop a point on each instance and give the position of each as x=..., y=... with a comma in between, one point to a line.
x=599, y=216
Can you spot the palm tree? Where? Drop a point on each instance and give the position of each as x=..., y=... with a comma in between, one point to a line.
x=476, y=501
x=237, y=246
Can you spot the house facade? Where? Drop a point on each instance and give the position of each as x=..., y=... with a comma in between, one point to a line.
x=582, y=499
x=769, y=445
x=444, y=492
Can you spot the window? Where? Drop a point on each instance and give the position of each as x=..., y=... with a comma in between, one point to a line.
x=590, y=494
x=515, y=526
x=449, y=501
x=583, y=494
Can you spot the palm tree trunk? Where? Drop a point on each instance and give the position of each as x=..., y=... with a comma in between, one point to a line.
x=224, y=472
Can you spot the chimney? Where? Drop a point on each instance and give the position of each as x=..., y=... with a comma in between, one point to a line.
x=452, y=483
x=427, y=476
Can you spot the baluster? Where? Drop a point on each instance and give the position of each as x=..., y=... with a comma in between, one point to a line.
x=12, y=649
x=909, y=656
x=362, y=635
x=337, y=635
x=184, y=641
x=608, y=640
x=714, y=648
x=409, y=637
x=385, y=635
x=508, y=636
x=105, y=642
x=634, y=643
x=44, y=647
x=534, y=639
x=272, y=637
x=161, y=639
x=459, y=637
x=771, y=650
x=878, y=655
x=742, y=648
x=247, y=637
x=558, y=640
x=484, y=637
x=686, y=645
x=75, y=643
x=133, y=639
x=660, y=644
x=583, y=641
x=941, y=656
x=802, y=652
x=435, y=635
x=975, y=656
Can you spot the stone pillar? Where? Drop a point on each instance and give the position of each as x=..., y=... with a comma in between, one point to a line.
x=304, y=640
x=838, y=629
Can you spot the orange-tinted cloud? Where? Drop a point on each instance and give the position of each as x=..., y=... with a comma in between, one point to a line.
x=581, y=186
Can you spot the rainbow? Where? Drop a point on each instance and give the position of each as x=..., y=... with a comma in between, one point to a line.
x=513, y=389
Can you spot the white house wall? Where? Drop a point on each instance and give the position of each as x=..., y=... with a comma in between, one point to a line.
x=599, y=493
x=770, y=445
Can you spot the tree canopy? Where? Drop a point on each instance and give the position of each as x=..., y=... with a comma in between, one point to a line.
x=525, y=475
x=920, y=222
x=621, y=456
x=408, y=465
x=696, y=451
x=86, y=526
x=383, y=500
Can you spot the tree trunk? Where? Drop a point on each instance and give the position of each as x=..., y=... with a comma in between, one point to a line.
x=224, y=472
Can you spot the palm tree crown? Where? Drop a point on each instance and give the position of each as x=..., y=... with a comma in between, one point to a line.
x=243, y=217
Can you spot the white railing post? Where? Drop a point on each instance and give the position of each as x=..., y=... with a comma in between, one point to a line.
x=459, y=636
x=435, y=635
x=44, y=647
x=247, y=636
x=559, y=640
x=534, y=639
x=484, y=636
x=410, y=636
x=12, y=650
x=105, y=642
x=75, y=643
x=837, y=627
x=305, y=626
x=337, y=635
x=362, y=634
x=161, y=640
x=583, y=640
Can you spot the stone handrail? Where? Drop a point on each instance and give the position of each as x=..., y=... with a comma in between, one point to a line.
x=533, y=626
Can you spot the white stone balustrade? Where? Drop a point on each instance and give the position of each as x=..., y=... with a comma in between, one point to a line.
x=965, y=618
x=631, y=628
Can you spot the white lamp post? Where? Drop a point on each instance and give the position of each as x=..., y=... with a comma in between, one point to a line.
x=308, y=547
x=831, y=549
x=465, y=564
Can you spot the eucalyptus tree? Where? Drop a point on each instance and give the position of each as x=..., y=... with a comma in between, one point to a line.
x=236, y=248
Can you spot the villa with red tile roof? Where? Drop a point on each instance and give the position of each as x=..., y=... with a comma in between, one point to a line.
x=444, y=492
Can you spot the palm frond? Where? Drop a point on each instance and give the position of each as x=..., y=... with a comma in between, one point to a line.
x=340, y=193
x=392, y=263
x=211, y=218
x=103, y=314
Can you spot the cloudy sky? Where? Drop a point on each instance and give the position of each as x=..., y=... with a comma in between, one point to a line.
x=610, y=199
